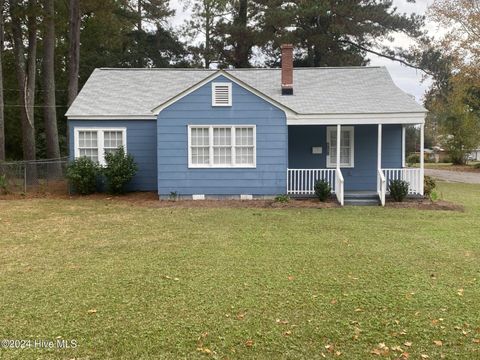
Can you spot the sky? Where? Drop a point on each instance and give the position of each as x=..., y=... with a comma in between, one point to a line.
x=408, y=79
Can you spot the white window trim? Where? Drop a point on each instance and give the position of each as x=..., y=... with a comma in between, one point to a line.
x=229, y=85
x=211, y=165
x=100, y=140
x=351, y=129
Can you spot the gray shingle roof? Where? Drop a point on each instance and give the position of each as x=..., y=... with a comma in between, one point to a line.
x=355, y=90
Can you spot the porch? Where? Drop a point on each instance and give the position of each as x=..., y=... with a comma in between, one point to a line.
x=368, y=158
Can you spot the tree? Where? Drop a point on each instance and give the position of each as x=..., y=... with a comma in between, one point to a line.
x=26, y=68
x=74, y=50
x=2, y=113
x=337, y=33
x=204, y=19
x=50, y=112
x=454, y=98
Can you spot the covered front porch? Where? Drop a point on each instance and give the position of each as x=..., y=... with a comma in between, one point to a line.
x=367, y=158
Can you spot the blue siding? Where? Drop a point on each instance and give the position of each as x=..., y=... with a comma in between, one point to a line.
x=141, y=143
x=364, y=175
x=268, y=178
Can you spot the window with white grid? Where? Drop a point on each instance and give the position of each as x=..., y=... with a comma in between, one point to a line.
x=112, y=140
x=88, y=145
x=200, y=146
x=244, y=146
x=95, y=143
x=346, y=146
x=222, y=146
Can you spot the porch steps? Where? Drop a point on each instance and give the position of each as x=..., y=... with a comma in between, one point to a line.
x=362, y=198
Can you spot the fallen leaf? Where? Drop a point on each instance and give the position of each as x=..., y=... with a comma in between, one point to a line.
x=397, y=348
x=287, y=333
x=338, y=353
x=438, y=342
x=330, y=348
x=92, y=311
x=240, y=316
x=407, y=343
x=333, y=302
x=290, y=277
x=434, y=321
x=358, y=310
x=249, y=343
x=424, y=356
x=282, y=322
x=204, y=350
x=405, y=355
x=460, y=292
x=476, y=341
x=376, y=352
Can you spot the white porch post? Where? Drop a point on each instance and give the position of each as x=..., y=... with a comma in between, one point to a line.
x=422, y=157
x=379, y=149
x=404, y=130
x=339, y=129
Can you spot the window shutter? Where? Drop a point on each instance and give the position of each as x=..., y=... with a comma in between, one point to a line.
x=221, y=94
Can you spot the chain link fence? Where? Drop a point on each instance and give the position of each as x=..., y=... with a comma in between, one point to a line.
x=40, y=176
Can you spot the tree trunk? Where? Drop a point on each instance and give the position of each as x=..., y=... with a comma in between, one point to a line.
x=242, y=48
x=139, y=14
x=2, y=113
x=25, y=71
x=50, y=112
x=74, y=50
x=207, y=52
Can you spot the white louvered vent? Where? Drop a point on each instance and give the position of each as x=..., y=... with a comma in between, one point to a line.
x=221, y=94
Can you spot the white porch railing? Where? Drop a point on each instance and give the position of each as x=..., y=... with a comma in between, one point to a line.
x=339, y=185
x=412, y=176
x=381, y=186
x=302, y=181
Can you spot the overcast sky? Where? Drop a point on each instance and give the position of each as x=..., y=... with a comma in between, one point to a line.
x=408, y=79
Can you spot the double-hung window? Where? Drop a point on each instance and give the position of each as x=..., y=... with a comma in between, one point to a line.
x=346, y=146
x=95, y=143
x=221, y=146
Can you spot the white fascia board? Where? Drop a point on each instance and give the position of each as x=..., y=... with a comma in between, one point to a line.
x=112, y=117
x=357, y=119
x=289, y=112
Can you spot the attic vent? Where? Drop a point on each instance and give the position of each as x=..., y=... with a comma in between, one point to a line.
x=221, y=94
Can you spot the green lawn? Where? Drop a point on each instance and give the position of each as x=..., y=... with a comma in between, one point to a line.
x=131, y=282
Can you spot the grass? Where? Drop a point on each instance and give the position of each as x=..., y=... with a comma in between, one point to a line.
x=141, y=283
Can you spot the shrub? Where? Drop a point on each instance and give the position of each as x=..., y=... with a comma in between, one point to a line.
x=413, y=159
x=322, y=190
x=173, y=196
x=3, y=184
x=398, y=189
x=119, y=170
x=82, y=173
x=477, y=166
x=282, y=198
x=429, y=185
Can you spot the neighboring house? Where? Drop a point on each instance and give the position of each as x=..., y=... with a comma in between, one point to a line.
x=246, y=133
x=474, y=155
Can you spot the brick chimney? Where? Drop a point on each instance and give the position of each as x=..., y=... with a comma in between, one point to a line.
x=287, y=69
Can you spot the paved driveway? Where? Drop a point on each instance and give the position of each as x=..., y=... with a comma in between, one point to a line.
x=454, y=176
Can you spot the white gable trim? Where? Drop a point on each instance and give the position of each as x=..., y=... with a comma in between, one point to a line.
x=158, y=109
x=357, y=119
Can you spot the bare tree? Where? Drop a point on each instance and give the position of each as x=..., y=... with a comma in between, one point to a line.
x=74, y=50
x=2, y=114
x=50, y=112
x=26, y=74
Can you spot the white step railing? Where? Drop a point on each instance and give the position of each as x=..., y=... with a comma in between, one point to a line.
x=302, y=181
x=412, y=176
x=339, y=186
x=381, y=186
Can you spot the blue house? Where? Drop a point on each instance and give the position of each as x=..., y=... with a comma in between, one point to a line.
x=250, y=133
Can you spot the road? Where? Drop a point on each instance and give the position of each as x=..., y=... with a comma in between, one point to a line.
x=454, y=176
